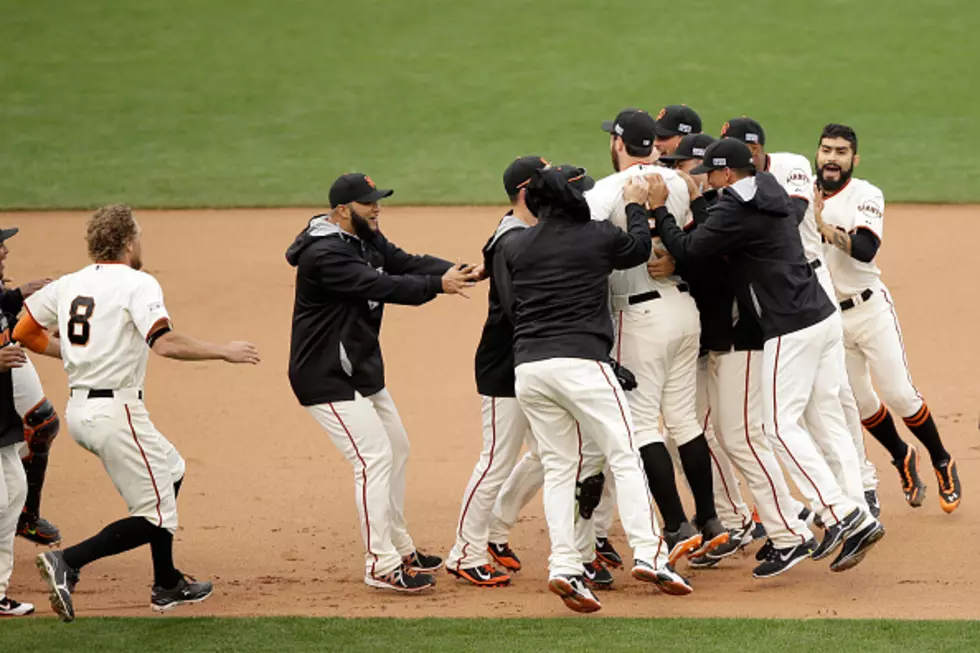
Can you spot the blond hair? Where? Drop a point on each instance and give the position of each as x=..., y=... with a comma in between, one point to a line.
x=110, y=230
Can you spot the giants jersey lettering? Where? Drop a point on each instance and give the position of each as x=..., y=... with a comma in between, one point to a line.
x=606, y=203
x=103, y=313
x=858, y=205
x=793, y=173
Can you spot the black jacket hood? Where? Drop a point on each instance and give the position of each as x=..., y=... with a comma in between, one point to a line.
x=762, y=192
x=318, y=227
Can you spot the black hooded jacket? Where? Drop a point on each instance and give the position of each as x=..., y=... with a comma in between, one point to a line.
x=342, y=285
x=755, y=225
x=556, y=282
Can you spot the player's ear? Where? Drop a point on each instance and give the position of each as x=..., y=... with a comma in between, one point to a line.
x=857, y=160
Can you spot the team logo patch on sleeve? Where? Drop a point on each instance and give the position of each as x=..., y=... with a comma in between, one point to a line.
x=871, y=209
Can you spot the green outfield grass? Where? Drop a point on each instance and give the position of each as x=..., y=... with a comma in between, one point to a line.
x=259, y=103
x=286, y=635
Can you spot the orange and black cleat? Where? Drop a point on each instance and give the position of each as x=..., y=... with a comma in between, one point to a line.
x=949, y=486
x=482, y=576
x=912, y=485
x=38, y=530
x=504, y=556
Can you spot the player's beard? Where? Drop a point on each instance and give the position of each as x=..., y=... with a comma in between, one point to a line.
x=834, y=185
x=361, y=226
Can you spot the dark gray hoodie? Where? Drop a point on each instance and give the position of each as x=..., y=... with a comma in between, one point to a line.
x=756, y=226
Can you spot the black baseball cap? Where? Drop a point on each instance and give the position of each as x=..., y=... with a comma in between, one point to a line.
x=355, y=187
x=726, y=153
x=518, y=173
x=691, y=146
x=635, y=126
x=678, y=120
x=7, y=233
x=744, y=129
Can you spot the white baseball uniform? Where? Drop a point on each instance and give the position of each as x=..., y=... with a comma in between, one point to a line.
x=655, y=321
x=104, y=313
x=794, y=174
x=872, y=335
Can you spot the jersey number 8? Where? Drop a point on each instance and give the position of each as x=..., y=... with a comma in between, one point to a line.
x=79, y=328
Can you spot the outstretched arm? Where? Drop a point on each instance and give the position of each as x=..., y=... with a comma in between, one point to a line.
x=172, y=344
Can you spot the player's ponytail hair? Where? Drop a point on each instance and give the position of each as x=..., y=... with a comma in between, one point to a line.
x=110, y=230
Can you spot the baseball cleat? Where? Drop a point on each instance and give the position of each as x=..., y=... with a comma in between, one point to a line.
x=713, y=537
x=574, y=593
x=59, y=577
x=607, y=554
x=874, y=506
x=187, y=590
x=763, y=551
x=776, y=561
x=758, y=530
x=38, y=530
x=835, y=535
x=856, y=546
x=12, y=608
x=681, y=542
x=418, y=561
x=598, y=577
x=703, y=562
x=912, y=485
x=481, y=576
x=950, y=491
x=401, y=579
x=665, y=578
x=504, y=556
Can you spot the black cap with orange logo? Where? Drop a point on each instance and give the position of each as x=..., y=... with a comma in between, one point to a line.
x=518, y=173
x=355, y=187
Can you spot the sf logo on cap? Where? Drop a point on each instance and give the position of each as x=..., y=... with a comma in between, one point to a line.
x=724, y=130
x=370, y=182
x=663, y=112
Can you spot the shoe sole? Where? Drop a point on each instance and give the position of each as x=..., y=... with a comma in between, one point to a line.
x=615, y=563
x=789, y=566
x=873, y=538
x=665, y=585
x=573, y=600
x=381, y=585
x=948, y=507
x=38, y=540
x=14, y=615
x=174, y=604
x=712, y=544
x=507, y=563
x=479, y=582
x=683, y=548
x=62, y=609
x=707, y=563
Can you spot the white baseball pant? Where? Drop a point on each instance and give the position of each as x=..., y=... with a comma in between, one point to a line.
x=13, y=493
x=875, y=349
x=811, y=422
x=141, y=462
x=565, y=399
x=735, y=394
x=802, y=369
x=658, y=341
x=505, y=430
x=369, y=433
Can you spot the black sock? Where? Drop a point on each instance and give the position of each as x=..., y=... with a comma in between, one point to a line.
x=663, y=487
x=35, y=467
x=117, y=537
x=924, y=428
x=165, y=575
x=882, y=427
x=696, y=461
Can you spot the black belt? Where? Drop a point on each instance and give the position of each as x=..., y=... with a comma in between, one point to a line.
x=101, y=394
x=848, y=304
x=654, y=294
x=816, y=263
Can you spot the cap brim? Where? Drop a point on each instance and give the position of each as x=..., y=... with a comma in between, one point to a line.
x=7, y=233
x=663, y=132
x=702, y=169
x=587, y=183
x=608, y=125
x=378, y=194
x=676, y=157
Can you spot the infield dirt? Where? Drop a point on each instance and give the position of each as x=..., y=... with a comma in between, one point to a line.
x=267, y=508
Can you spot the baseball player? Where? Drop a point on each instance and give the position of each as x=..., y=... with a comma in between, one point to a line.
x=657, y=333
x=109, y=315
x=41, y=423
x=556, y=287
x=346, y=271
x=755, y=221
x=674, y=122
x=850, y=216
x=793, y=173
x=505, y=428
x=13, y=480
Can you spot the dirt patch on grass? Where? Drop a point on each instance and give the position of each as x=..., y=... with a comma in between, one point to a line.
x=267, y=510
